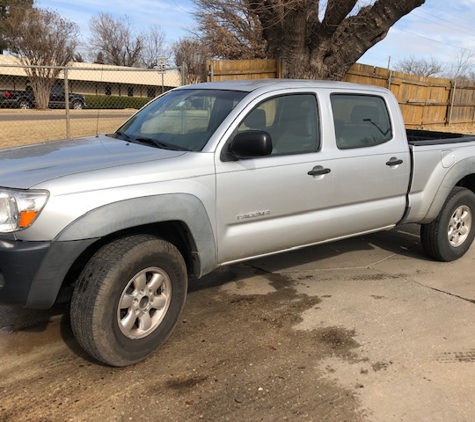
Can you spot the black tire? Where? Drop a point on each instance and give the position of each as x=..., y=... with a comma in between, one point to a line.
x=450, y=235
x=77, y=105
x=24, y=104
x=128, y=280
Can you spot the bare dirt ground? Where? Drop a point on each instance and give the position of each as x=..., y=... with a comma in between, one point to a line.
x=232, y=358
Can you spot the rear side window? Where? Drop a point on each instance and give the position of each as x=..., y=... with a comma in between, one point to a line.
x=360, y=121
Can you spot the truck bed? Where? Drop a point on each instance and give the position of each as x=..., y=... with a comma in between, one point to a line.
x=428, y=137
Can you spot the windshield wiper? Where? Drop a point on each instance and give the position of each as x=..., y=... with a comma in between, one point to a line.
x=160, y=144
x=123, y=135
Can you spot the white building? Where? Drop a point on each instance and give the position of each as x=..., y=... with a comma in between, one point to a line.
x=97, y=79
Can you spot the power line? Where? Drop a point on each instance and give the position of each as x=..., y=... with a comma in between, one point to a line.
x=433, y=40
x=444, y=26
x=446, y=12
x=444, y=20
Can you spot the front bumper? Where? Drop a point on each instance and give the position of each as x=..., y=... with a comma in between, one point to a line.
x=31, y=273
x=19, y=262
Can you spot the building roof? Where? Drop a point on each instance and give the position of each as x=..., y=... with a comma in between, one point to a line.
x=91, y=72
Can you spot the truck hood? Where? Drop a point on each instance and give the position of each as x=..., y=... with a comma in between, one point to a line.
x=25, y=167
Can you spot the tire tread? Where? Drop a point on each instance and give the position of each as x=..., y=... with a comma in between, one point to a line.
x=431, y=232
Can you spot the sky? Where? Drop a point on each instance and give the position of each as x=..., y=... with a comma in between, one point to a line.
x=441, y=29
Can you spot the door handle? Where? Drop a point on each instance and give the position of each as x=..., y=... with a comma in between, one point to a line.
x=394, y=162
x=318, y=171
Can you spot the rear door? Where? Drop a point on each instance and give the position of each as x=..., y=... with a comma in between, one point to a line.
x=56, y=98
x=371, y=167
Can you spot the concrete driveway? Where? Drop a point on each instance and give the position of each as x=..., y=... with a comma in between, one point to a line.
x=366, y=329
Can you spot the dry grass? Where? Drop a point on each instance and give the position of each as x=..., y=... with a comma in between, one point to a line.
x=31, y=130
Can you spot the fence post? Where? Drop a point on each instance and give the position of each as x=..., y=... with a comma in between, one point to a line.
x=211, y=71
x=390, y=79
x=452, y=99
x=279, y=69
x=183, y=73
x=66, y=103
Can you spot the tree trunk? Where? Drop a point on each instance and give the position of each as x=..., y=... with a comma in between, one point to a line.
x=315, y=47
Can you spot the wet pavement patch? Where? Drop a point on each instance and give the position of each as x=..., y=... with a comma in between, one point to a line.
x=337, y=338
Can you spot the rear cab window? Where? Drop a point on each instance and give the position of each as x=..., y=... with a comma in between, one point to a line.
x=360, y=121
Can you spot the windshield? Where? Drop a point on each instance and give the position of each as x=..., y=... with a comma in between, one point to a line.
x=181, y=120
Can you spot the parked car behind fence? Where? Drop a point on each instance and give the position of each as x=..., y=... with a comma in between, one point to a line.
x=26, y=98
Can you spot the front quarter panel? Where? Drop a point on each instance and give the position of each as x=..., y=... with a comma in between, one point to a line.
x=121, y=215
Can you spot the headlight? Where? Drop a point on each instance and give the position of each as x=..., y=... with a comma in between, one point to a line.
x=19, y=208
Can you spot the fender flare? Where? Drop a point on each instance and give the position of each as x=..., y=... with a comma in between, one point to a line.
x=122, y=215
x=111, y=218
x=460, y=170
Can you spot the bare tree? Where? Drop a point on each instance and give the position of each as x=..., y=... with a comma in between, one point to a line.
x=313, y=39
x=420, y=66
x=154, y=45
x=191, y=53
x=230, y=29
x=462, y=66
x=43, y=41
x=6, y=6
x=116, y=39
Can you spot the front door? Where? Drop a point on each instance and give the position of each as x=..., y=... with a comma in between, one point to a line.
x=268, y=204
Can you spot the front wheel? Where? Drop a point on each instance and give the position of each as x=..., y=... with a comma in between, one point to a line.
x=128, y=299
x=450, y=235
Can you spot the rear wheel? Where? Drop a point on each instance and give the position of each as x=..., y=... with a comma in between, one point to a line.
x=450, y=235
x=24, y=104
x=128, y=299
x=77, y=105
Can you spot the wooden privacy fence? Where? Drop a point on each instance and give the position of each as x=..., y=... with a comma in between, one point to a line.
x=226, y=70
x=424, y=101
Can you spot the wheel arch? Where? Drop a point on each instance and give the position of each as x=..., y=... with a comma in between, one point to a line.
x=463, y=175
x=180, y=219
x=174, y=232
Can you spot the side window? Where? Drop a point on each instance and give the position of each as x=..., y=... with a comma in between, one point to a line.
x=360, y=121
x=291, y=120
x=56, y=90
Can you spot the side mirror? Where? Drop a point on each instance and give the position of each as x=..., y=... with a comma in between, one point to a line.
x=250, y=144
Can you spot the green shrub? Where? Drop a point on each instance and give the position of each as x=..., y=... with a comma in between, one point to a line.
x=114, y=102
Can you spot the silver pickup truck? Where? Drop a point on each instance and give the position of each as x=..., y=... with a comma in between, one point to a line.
x=209, y=175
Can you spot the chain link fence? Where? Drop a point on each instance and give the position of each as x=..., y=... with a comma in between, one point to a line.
x=84, y=99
